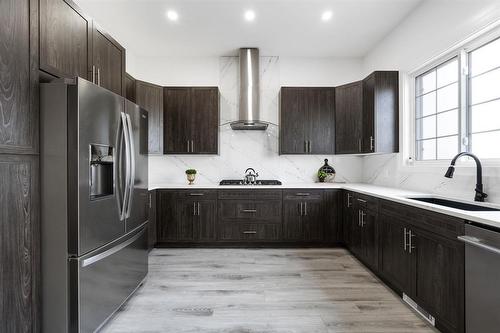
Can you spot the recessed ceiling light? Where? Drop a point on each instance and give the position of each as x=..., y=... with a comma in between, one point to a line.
x=249, y=15
x=172, y=15
x=327, y=15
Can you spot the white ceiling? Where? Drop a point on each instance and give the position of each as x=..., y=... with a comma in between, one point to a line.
x=217, y=27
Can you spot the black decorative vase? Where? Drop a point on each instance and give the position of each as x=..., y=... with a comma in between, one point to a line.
x=326, y=173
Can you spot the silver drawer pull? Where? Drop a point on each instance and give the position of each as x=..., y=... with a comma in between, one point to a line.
x=196, y=194
x=249, y=210
x=250, y=232
x=303, y=194
x=361, y=200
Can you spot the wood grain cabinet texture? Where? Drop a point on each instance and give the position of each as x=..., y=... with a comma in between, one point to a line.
x=307, y=119
x=130, y=92
x=348, y=118
x=191, y=120
x=150, y=97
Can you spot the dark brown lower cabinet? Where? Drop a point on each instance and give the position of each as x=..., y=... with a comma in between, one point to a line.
x=303, y=215
x=152, y=220
x=186, y=216
x=424, y=261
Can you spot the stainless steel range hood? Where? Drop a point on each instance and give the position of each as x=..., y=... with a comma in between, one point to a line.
x=249, y=113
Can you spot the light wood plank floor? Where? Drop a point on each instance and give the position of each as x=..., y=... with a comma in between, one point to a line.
x=262, y=291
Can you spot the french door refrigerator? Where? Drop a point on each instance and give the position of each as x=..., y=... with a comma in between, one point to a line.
x=94, y=203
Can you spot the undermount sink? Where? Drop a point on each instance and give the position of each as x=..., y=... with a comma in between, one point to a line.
x=455, y=204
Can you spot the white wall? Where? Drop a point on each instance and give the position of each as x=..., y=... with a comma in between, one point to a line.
x=434, y=27
x=241, y=149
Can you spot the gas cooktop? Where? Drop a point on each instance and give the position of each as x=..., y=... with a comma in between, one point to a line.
x=242, y=182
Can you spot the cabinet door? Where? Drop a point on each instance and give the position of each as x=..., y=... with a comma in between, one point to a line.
x=312, y=222
x=320, y=122
x=177, y=103
x=108, y=57
x=150, y=98
x=292, y=219
x=64, y=32
x=333, y=218
x=152, y=220
x=395, y=264
x=440, y=278
x=368, y=140
x=130, y=91
x=348, y=118
x=185, y=220
x=166, y=210
x=206, y=220
x=292, y=121
x=356, y=233
x=204, y=120
x=369, y=244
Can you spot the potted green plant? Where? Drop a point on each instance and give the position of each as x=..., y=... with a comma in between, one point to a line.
x=322, y=176
x=191, y=174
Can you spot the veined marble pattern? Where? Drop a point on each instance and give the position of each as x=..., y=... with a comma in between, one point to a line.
x=239, y=150
x=262, y=291
x=385, y=170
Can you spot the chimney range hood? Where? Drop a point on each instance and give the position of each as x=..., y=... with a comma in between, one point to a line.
x=249, y=113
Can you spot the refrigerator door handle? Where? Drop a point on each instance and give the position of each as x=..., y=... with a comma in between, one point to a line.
x=132, y=164
x=127, y=166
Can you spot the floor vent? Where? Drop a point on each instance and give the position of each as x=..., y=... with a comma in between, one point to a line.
x=426, y=315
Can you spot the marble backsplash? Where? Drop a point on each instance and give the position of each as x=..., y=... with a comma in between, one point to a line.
x=386, y=170
x=239, y=150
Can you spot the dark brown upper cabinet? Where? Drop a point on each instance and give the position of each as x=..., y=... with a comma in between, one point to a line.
x=191, y=120
x=150, y=97
x=367, y=115
x=130, y=92
x=71, y=44
x=381, y=112
x=64, y=39
x=307, y=120
x=107, y=68
x=349, y=118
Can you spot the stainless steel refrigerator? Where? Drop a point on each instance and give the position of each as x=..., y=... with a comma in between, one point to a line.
x=94, y=203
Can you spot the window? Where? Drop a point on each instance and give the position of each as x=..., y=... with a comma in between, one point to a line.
x=457, y=105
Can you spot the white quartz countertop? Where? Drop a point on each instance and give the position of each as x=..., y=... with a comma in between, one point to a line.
x=490, y=218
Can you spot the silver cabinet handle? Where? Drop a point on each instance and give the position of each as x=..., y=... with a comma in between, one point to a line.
x=149, y=200
x=93, y=74
x=372, y=143
x=477, y=243
x=250, y=232
x=410, y=241
x=404, y=239
x=198, y=208
x=188, y=146
x=98, y=76
x=302, y=194
x=301, y=209
x=192, y=146
x=349, y=197
x=305, y=208
x=249, y=210
x=361, y=200
x=196, y=194
x=363, y=219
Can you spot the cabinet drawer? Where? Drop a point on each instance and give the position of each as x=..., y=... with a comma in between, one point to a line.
x=250, y=194
x=303, y=194
x=250, y=210
x=197, y=194
x=250, y=231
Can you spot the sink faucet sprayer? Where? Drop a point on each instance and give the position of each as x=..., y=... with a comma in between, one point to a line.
x=480, y=195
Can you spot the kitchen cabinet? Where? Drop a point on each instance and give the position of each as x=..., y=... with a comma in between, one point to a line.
x=347, y=218
x=191, y=120
x=333, y=217
x=303, y=215
x=307, y=120
x=363, y=229
x=107, y=66
x=367, y=115
x=421, y=257
x=381, y=112
x=152, y=220
x=130, y=93
x=186, y=216
x=349, y=118
x=64, y=42
x=150, y=98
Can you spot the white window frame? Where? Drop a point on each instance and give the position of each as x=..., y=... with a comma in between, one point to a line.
x=407, y=91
